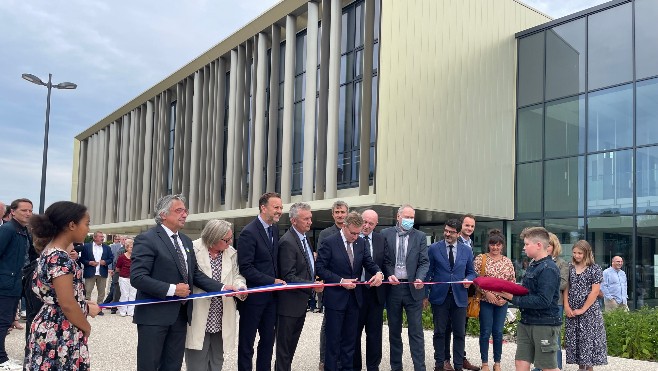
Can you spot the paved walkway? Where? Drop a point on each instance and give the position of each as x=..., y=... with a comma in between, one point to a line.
x=113, y=346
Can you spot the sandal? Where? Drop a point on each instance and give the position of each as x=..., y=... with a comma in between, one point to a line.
x=496, y=367
x=484, y=367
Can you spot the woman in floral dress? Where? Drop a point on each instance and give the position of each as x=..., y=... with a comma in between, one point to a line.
x=586, y=343
x=59, y=332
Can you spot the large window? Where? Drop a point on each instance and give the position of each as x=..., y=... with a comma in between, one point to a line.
x=531, y=69
x=529, y=133
x=646, y=108
x=564, y=131
x=565, y=60
x=646, y=38
x=610, y=118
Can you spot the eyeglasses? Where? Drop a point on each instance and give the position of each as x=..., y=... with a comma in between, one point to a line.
x=228, y=240
x=449, y=231
x=181, y=210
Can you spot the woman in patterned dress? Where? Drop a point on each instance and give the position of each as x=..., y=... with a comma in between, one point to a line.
x=59, y=332
x=493, y=308
x=586, y=343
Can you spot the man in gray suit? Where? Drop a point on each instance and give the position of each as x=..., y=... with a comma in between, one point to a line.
x=296, y=264
x=407, y=262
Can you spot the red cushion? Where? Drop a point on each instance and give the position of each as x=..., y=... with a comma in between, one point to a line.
x=500, y=285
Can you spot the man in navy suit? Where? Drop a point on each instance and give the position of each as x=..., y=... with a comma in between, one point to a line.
x=371, y=313
x=341, y=259
x=258, y=257
x=296, y=264
x=407, y=262
x=163, y=266
x=95, y=258
x=449, y=261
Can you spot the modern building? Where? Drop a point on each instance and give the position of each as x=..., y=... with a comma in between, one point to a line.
x=446, y=105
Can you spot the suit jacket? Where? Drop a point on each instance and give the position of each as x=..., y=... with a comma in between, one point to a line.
x=294, y=266
x=88, y=256
x=380, y=256
x=333, y=264
x=257, y=259
x=440, y=272
x=417, y=260
x=154, y=269
x=196, y=331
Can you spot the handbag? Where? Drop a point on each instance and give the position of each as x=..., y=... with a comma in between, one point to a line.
x=473, y=308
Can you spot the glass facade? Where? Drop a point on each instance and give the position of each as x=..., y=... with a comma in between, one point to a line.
x=587, y=138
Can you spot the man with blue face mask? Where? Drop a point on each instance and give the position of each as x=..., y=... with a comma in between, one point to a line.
x=406, y=261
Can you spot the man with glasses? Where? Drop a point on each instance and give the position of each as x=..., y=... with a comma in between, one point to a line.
x=163, y=266
x=450, y=261
x=342, y=259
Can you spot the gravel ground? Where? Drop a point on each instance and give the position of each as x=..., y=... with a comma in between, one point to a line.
x=113, y=346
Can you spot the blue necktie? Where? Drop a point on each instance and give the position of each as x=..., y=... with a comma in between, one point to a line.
x=270, y=234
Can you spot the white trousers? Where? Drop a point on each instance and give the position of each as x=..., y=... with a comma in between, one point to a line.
x=127, y=294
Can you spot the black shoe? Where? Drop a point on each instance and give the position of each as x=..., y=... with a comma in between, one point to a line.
x=113, y=311
x=100, y=313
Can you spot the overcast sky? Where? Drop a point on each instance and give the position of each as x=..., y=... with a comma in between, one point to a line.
x=114, y=50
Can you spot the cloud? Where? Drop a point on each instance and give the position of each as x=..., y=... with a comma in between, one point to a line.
x=561, y=8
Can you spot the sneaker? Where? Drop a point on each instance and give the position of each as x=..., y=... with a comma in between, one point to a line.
x=10, y=365
x=23, y=314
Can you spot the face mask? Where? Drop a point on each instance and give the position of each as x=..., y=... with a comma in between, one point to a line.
x=407, y=224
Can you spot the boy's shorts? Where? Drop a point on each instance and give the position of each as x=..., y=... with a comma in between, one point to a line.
x=537, y=344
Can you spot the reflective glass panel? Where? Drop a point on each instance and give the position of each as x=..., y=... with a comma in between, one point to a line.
x=610, y=183
x=568, y=231
x=528, y=190
x=646, y=160
x=564, y=181
x=646, y=110
x=610, y=47
x=517, y=255
x=644, y=288
x=610, y=236
x=646, y=38
x=564, y=130
x=531, y=69
x=610, y=119
x=529, y=134
x=565, y=59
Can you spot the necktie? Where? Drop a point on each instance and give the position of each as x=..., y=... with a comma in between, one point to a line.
x=350, y=254
x=270, y=234
x=363, y=275
x=400, y=260
x=451, y=257
x=181, y=258
x=310, y=258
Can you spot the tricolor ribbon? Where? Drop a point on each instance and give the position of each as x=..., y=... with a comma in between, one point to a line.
x=253, y=290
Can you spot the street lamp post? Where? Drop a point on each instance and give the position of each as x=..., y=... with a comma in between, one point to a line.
x=44, y=164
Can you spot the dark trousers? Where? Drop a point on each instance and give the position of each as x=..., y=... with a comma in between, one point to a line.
x=341, y=335
x=32, y=307
x=443, y=314
x=261, y=319
x=288, y=330
x=371, y=318
x=161, y=348
x=115, y=292
x=448, y=336
x=8, y=305
x=399, y=298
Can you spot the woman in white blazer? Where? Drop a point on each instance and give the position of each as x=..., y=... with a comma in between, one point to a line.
x=210, y=334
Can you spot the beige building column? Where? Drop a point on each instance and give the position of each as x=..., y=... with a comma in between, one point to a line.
x=148, y=163
x=259, y=121
x=218, y=147
x=311, y=91
x=111, y=184
x=239, y=130
x=196, y=145
x=274, y=123
x=366, y=100
x=321, y=150
x=334, y=97
x=288, y=109
x=230, y=150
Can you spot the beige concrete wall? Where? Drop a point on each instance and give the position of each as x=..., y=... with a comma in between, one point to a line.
x=445, y=138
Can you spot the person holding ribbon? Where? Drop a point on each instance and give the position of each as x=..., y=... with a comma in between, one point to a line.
x=212, y=330
x=163, y=266
x=493, y=308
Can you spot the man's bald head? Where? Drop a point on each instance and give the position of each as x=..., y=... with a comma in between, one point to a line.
x=370, y=220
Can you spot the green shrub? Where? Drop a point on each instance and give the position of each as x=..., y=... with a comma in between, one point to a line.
x=632, y=334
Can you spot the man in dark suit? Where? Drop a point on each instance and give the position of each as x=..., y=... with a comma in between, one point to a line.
x=407, y=262
x=257, y=258
x=341, y=259
x=371, y=313
x=164, y=265
x=95, y=258
x=338, y=213
x=449, y=261
x=296, y=264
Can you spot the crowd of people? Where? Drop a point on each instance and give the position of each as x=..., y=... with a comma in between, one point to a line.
x=43, y=259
